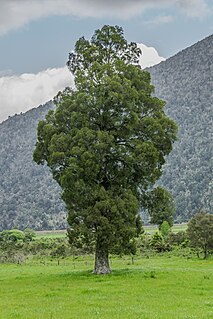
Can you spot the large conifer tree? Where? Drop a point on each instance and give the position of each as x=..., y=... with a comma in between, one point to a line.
x=106, y=142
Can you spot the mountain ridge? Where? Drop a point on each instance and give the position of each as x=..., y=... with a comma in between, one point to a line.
x=187, y=88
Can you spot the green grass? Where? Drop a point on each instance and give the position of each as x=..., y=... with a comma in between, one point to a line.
x=151, y=229
x=179, y=227
x=62, y=233
x=158, y=287
x=51, y=233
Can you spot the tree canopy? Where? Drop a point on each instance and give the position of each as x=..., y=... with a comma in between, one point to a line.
x=200, y=232
x=161, y=206
x=106, y=142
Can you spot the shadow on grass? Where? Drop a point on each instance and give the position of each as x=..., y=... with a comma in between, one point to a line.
x=116, y=273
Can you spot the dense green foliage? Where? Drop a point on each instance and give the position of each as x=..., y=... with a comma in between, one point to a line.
x=161, y=206
x=29, y=197
x=18, y=246
x=165, y=229
x=106, y=142
x=200, y=232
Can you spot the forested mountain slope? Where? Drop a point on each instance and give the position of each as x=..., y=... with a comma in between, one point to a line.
x=185, y=82
x=29, y=197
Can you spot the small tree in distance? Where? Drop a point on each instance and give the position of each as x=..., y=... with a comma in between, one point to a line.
x=200, y=232
x=106, y=143
x=161, y=206
x=165, y=229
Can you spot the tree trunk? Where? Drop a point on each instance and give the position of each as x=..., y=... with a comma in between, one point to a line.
x=101, y=260
x=205, y=253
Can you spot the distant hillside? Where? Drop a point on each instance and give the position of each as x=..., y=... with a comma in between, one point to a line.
x=185, y=82
x=29, y=197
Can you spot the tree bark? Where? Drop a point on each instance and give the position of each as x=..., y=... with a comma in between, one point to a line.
x=101, y=260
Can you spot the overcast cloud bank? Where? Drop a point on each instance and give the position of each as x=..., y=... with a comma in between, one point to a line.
x=14, y=14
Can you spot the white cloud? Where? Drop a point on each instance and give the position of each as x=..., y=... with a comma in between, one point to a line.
x=149, y=56
x=14, y=13
x=21, y=93
x=158, y=20
x=6, y=72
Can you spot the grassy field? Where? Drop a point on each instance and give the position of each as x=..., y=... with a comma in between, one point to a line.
x=148, y=229
x=151, y=229
x=51, y=233
x=158, y=287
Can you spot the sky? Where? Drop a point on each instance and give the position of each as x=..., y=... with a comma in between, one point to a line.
x=36, y=37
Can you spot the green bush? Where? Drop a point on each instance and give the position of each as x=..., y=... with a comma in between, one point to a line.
x=178, y=239
x=13, y=235
x=165, y=229
x=159, y=243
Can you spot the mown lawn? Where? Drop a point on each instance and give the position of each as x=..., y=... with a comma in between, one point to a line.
x=158, y=287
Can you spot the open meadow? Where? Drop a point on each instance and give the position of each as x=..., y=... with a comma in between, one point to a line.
x=161, y=287
x=151, y=229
